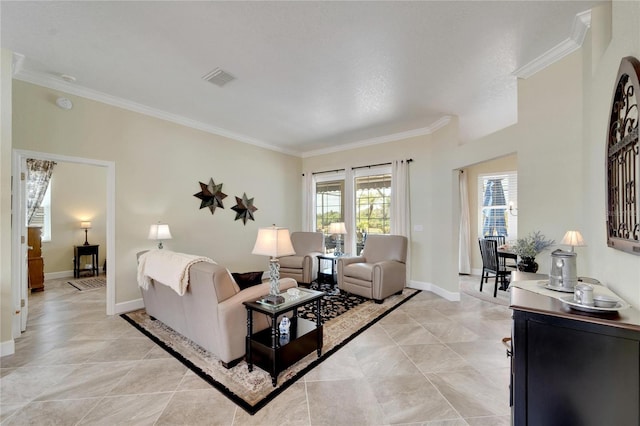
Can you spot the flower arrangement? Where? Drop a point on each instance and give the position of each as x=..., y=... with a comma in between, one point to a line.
x=531, y=245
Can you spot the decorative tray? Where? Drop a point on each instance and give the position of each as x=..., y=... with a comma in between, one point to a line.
x=594, y=309
x=547, y=285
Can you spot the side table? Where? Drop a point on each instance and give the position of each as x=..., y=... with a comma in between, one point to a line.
x=88, y=250
x=274, y=352
x=328, y=278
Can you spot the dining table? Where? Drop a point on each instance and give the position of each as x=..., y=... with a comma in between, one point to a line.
x=505, y=253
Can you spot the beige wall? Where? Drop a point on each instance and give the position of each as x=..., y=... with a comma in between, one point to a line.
x=618, y=269
x=158, y=165
x=6, y=294
x=78, y=193
x=559, y=140
x=471, y=173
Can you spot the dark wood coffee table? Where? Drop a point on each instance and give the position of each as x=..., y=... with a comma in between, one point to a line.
x=274, y=353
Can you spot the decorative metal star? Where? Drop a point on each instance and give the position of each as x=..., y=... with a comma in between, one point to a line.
x=244, y=208
x=211, y=196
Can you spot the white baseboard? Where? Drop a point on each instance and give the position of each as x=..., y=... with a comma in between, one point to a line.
x=477, y=272
x=7, y=348
x=129, y=306
x=451, y=296
x=58, y=275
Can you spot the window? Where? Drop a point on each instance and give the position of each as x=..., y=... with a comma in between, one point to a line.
x=373, y=207
x=368, y=203
x=497, y=206
x=329, y=206
x=42, y=216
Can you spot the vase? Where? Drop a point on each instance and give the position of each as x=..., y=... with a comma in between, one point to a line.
x=527, y=264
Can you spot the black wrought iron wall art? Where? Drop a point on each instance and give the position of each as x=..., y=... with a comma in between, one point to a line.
x=211, y=195
x=623, y=161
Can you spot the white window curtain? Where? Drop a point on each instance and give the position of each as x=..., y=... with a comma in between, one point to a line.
x=464, y=247
x=400, y=205
x=349, y=211
x=38, y=176
x=308, y=202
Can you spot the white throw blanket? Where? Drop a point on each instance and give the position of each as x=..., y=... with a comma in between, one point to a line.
x=167, y=267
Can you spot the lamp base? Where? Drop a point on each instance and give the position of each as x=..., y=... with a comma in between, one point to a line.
x=273, y=299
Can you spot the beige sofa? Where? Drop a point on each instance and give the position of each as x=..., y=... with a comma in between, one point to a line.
x=211, y=312
x=303, y=266
x=379, y=271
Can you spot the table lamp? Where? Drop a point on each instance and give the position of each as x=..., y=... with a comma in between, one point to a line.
x=273, y=242
x=86, y=226
x=159, y=232
x=339, y=229
x=573, y=239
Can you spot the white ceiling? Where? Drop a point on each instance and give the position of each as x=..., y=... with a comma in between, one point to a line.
x=311, y=77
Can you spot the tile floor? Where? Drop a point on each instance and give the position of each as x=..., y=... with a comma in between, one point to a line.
x=431, y=362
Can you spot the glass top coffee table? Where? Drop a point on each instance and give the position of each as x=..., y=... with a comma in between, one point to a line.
x=270, y=350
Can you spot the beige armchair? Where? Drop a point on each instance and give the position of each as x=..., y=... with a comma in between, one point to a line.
x=303, y=266
x=379, y=271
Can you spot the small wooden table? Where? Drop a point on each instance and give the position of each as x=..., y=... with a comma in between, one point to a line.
x=88, y=250
x=274, y=353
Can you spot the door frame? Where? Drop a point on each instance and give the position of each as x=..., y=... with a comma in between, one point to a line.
x=19, y=230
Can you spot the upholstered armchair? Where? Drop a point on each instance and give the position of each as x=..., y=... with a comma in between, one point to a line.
x=303, y=266
x=379, y=271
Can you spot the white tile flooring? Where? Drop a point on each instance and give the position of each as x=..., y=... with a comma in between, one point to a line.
x=431, y=362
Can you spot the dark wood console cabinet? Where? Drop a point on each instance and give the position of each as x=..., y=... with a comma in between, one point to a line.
x=35, y=262
x=573, y=368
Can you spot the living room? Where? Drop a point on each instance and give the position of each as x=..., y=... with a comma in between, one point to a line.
x=559, y=138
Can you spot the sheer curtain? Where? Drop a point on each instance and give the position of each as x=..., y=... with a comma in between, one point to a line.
x=400, y=205
x=464, y=261
x=38, y=176
x=308, y=202
x=349, y=211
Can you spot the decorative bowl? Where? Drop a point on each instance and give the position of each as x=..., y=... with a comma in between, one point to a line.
x=293, y=292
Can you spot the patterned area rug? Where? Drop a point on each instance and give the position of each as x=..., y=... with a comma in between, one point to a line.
x=335, y=303
x=253, y=390
x=91, y=283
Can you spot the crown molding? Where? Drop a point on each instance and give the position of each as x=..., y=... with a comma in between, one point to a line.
x=56, y=83
x=581, y=24
x=438, y=124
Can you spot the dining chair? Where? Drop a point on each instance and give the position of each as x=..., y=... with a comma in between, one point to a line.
x=501, y=240
x=492, y=265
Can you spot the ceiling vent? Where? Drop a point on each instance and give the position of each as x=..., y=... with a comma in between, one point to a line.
x=218, y=77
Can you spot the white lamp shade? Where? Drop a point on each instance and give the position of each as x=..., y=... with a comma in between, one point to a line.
x=159, y=231
x=274, y=242
x=573, y=238
x=337, y=228
x=85, y=225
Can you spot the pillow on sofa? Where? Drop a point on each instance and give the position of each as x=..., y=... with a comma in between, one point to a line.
x=247, y=279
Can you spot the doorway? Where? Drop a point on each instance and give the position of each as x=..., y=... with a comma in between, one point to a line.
x=20, y=288
x=476, y=204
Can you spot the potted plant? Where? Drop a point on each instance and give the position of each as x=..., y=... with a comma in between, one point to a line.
x=527, y=249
